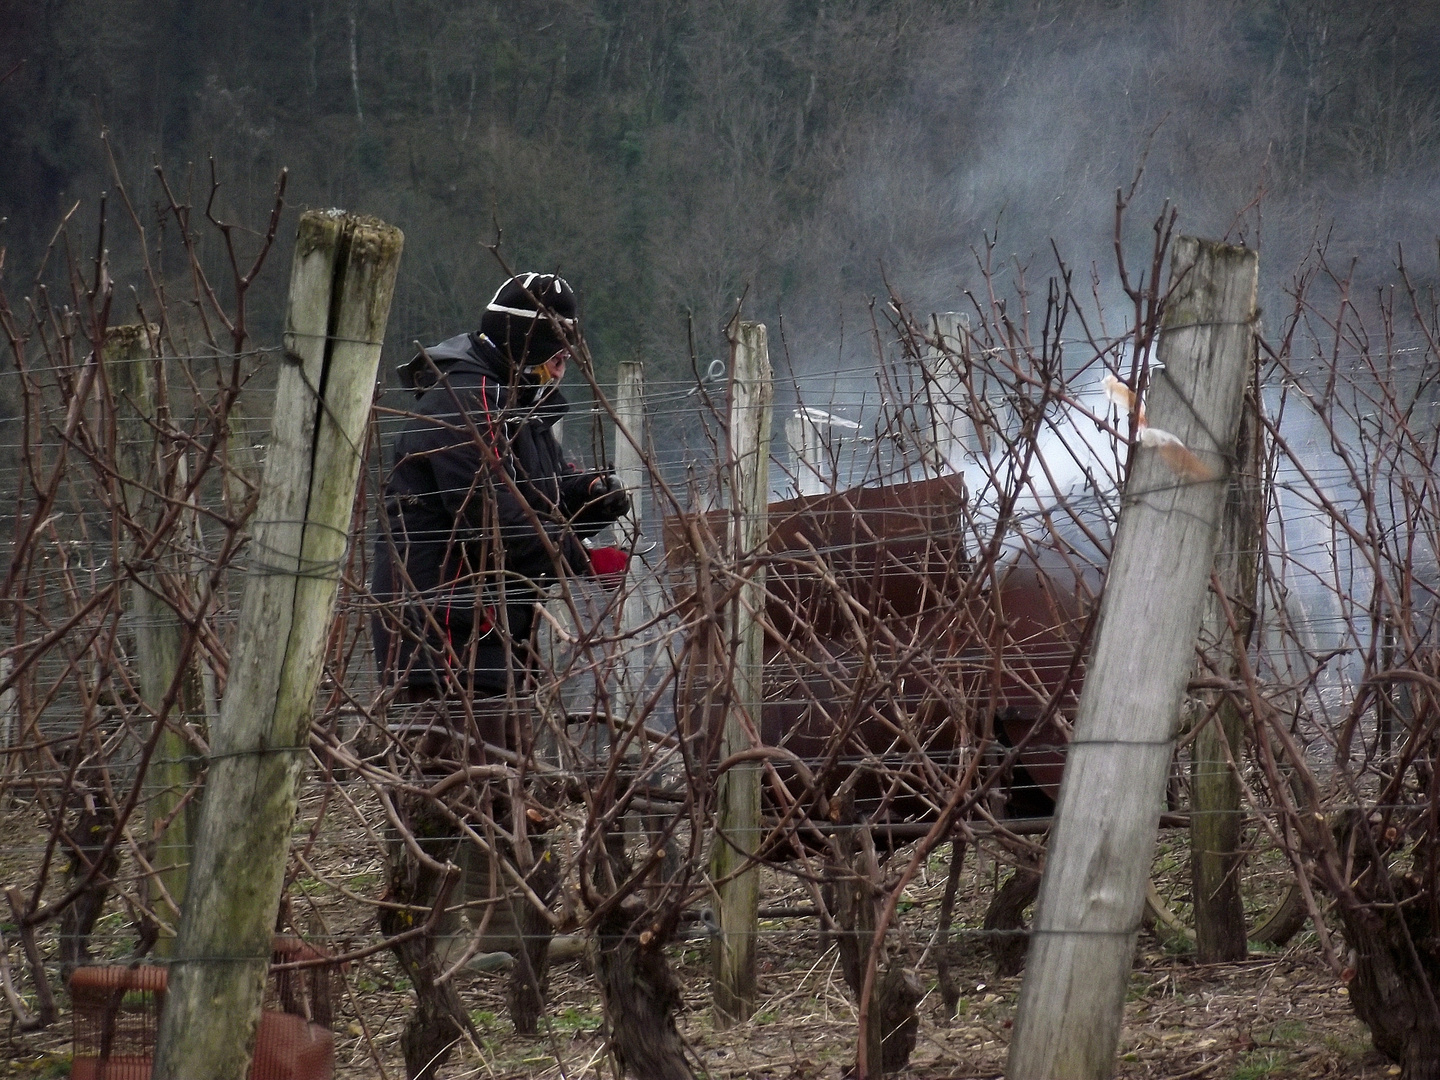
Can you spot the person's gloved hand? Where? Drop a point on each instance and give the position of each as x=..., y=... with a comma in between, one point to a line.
x=608, y=500
x=609, y=565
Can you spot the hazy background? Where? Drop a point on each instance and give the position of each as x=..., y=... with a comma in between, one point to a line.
x=668, y=155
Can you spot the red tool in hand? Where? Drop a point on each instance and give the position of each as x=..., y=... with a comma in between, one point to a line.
x=609, y=565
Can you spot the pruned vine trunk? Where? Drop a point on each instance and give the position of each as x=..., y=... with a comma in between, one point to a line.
x=949, y=991
x=1396, y=955
x=1005, y=920
x=896, y=991
x=529, y=978
x=92, y=826
x=437, y=1023
x=641, y=997
x=1397, y=973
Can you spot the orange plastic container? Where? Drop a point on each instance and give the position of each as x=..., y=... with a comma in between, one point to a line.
x=117, y=1016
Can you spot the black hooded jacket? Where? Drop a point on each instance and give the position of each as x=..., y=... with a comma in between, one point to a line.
x=481, y=509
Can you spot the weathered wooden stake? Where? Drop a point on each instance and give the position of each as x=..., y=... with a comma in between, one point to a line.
x=737, y=815
x=341, y=284
x=630, y=468
x=1098, y=862
x=945, y=428
x=803, y=435
x=159, y=637
x=1215, y=816
x=9, y=726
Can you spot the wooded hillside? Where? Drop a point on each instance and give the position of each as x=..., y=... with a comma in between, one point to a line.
x=670, y=154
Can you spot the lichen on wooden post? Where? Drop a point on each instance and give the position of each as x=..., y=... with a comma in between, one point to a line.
x=342, y=281
x=159, y=632
x=737, y=815
x=1215, y=811
x=630, y=468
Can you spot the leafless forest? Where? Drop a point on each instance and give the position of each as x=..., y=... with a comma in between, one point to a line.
x=670, y=156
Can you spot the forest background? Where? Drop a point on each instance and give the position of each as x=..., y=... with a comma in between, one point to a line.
x=671, y=155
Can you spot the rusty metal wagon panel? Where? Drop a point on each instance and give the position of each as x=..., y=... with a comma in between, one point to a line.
x=884, y=571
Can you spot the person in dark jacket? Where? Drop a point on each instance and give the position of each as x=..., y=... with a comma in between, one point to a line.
x=482, y=510
x=482, y=513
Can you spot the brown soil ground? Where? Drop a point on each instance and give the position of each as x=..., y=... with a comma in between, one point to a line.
x=1281, y=1015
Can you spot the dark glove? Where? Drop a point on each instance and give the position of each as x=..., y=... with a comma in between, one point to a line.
x=607, y=499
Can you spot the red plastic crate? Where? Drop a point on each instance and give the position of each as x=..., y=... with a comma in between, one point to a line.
x=117, y=1016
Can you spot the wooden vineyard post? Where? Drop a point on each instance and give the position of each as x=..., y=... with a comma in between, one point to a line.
x=342, y=280
x=1068, y=1021
x=803, y=435
x=9, y=726
x=159, y=635
x=945, y=424
x=1215, y=815
x=737, y=815
x=630, y=468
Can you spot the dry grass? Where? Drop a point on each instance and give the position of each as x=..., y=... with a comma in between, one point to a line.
x=1276, y=1016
